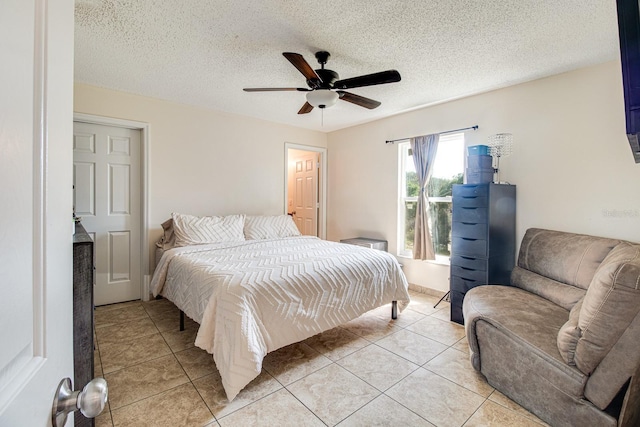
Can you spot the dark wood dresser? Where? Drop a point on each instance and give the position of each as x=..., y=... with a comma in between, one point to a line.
x=82, y=315
x=483, y=236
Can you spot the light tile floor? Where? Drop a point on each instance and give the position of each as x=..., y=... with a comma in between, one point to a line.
x=372, y=371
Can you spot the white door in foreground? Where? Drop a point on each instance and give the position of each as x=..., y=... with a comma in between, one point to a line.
x=36, y=111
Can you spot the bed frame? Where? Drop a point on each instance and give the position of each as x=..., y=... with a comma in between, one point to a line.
x=394, y=314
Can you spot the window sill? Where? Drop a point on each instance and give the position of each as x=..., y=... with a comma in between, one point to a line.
x=443, y=261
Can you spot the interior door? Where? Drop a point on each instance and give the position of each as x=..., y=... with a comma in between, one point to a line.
x=305, y=198
x=106, y=178
x=36, y=112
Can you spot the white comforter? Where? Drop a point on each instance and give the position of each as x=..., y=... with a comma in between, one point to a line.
x=256, y=296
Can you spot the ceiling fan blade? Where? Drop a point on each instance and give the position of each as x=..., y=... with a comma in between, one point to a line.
x=303, y=66
x=275, y=89
x=358, y=100
x=389, y=76
x=306, y=108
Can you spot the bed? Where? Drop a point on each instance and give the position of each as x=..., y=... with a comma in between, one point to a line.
x=266, y=287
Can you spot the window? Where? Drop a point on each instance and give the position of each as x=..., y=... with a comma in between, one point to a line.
x=448, y=169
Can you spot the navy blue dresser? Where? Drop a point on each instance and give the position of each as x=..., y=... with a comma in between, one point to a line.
x=483, y=236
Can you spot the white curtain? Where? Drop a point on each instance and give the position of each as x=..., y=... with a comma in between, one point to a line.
x=424, y=150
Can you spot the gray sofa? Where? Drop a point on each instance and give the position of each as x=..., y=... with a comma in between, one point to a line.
x=564, y=340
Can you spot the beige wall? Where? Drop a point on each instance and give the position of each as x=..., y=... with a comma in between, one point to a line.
x=572, y=163
x=203, y=162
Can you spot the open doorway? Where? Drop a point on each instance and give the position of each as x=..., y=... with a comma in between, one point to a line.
x=305, y=189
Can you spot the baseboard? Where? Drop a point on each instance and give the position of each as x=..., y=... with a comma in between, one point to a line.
x=427, y=291
x=146, y=293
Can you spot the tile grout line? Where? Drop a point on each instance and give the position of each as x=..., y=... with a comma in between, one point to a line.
x=187, y=375
x=144, y=362
x=155, y=394
x=191, y=379
x=302, y=403
x=407, y=408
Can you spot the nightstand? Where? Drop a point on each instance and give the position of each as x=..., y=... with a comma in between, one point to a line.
x=367, y=243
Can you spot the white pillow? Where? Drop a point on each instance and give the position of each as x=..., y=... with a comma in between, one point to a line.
x=194, y=230
x=269, y=227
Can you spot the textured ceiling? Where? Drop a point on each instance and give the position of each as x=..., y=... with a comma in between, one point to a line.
x=203, y=52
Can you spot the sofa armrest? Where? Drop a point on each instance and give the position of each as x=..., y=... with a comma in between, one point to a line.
x=630, y=414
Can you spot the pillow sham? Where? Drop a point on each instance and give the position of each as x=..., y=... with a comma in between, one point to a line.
x=269, y=227
x=195, y=230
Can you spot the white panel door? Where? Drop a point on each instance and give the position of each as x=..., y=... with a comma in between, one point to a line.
x=106, y=177
x=305, y=198
x=36, y=112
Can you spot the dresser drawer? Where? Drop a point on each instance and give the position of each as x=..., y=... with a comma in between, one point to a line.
x=466, y=246
x=469, y=202
x=470, y=190
x=469, y=273
x=463, y=284
x=469, y=214
x=469, y=262
x=469, y=230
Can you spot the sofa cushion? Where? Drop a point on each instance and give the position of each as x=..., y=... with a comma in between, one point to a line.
x=564, y=257
x=610, y=304
x=569, y=335
x=531, y=324
x=562, y=294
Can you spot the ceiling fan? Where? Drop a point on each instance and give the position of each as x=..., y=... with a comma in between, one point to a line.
x=325, y=85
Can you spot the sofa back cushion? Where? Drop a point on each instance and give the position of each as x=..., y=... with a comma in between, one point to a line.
x=566, y=296
x=567, y=258
x=609, y=306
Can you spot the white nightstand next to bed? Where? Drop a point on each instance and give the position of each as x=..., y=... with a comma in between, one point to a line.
x=367, y=243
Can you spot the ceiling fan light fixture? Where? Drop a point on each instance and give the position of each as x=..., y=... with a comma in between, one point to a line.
x=322, y=98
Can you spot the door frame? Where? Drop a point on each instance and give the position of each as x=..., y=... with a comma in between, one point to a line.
x=145, y=278
x=322, y=179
